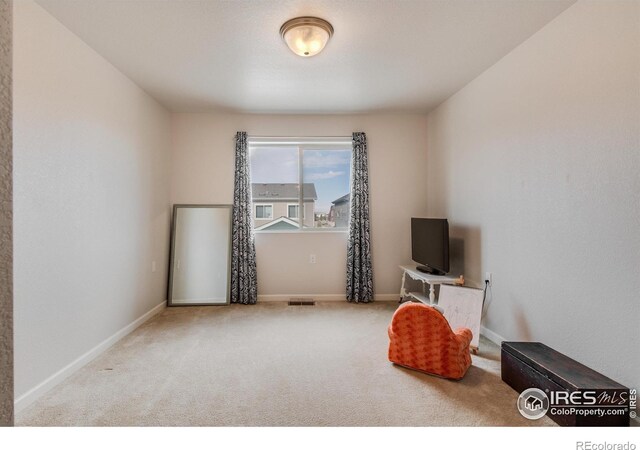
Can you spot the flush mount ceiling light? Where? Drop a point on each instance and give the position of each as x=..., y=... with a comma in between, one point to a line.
x=306, y=36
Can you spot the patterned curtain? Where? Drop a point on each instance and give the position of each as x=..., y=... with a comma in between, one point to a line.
x=359, y=270
x=244, y=285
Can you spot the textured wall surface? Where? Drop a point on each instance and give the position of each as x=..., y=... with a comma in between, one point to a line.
x=202, y=172
x=91, y=198
x=536, y=164
x=6, y=236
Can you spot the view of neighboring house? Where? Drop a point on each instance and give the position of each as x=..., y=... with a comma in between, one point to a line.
x=276, y=205
x=339, y=212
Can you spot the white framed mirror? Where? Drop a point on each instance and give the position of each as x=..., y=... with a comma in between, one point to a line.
x=200, y=265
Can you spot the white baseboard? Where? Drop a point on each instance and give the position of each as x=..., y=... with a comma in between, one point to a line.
x=387, y=297
x=33, y=394
x=491, y=335
x=322, y=297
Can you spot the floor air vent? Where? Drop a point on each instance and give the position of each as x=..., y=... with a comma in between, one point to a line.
x=301, y=302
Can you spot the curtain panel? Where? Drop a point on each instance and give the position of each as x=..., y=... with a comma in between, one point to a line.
x=244, y=285
x=359, y=267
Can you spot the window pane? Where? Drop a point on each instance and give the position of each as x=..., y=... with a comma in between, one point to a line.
x=326, y=176
x=274, y=181
x=293, y=211
x=263, y=211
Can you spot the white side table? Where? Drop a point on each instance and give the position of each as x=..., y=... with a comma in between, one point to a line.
x=425, y=278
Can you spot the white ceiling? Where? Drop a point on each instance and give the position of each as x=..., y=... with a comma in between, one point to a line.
x=385, y=55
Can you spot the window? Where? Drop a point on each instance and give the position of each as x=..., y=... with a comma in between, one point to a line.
x=293, y=211
x=306, y=183
x=264, y=211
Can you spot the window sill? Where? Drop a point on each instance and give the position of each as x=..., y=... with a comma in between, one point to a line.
x=338, y=231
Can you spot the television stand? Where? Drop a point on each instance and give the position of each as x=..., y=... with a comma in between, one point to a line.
x=429, y=270
x=425, y=278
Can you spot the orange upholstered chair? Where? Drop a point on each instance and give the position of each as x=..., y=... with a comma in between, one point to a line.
x=421, y=339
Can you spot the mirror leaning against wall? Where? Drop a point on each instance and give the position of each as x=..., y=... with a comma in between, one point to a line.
x=200, y=265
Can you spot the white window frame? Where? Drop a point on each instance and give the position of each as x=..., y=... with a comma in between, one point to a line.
x=302, y=143
x=255, y=211
x=293, y=204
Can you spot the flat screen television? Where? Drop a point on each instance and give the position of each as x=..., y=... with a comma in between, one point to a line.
x=430, y=245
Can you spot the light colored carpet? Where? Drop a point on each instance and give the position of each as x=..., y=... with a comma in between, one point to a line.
x=270, y=365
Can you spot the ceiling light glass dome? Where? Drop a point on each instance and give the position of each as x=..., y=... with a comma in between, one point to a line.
x=306, y=36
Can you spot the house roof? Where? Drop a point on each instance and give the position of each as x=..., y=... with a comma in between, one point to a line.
x=282, y=191
x=281, y=223
x=345, y=198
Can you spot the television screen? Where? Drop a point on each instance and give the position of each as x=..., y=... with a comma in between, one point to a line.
x=430, y=245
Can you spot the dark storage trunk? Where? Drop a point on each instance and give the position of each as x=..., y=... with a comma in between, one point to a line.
x=532, y=364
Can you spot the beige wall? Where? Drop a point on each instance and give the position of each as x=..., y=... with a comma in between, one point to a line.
x=6, y=211
x=202, y=172
x=309, y=214
x=91, y=198
x=536, y=163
